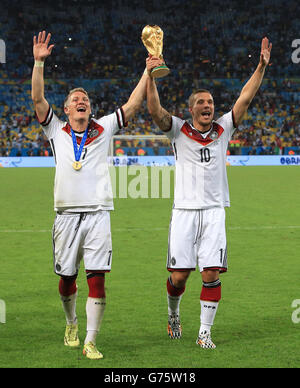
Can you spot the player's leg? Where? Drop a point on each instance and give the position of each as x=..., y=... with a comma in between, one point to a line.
x=181, y=261
x=68, y=295
x=209, y=301
x=66, y=265
x=95, y=307
x=95, y=304
x=212, y=260
x=175, y=289
x=97, y=260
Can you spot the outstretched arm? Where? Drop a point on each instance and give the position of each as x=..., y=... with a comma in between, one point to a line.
x=250, y=89
x=40, y=52
x=136, y=98
x=139, y=93
x=160, y=116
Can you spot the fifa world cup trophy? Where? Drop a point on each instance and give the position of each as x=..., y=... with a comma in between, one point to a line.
x=152, y=38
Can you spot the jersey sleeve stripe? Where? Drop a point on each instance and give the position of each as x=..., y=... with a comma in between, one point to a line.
x=123, y=117
x=119, y=118
x=48, y=117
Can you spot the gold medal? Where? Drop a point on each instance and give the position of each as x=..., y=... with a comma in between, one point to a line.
x=77, y=165
x=77, y=152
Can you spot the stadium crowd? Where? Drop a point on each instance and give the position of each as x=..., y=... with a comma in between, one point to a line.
x=98, y=46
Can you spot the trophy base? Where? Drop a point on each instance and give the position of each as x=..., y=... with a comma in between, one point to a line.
x=160, y=71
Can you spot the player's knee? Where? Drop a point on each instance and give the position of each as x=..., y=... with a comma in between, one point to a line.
x=210, y=275
x=179, y=278
x=96, y=282
x=211, y=291
x=67, y=285
x=176, y=283
x=174, y=290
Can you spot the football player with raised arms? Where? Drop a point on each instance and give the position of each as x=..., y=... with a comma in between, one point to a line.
x=197, y=235
x=83, y=196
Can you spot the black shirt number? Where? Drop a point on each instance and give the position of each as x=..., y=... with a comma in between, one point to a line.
x=205, y=155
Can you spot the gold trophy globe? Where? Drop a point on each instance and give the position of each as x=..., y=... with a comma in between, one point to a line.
x=152, y=38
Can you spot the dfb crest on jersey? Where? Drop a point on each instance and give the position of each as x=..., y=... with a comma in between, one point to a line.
x=214, y=135
x=93, y=133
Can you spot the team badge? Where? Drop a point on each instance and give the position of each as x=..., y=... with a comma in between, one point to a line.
x=93, y=133
x=214, y=135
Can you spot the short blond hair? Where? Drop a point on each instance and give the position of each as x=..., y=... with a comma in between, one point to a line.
x=73, y=91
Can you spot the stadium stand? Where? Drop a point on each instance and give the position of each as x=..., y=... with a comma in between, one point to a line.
x=98, y=47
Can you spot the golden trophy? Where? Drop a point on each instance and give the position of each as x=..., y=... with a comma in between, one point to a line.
x=152, y=38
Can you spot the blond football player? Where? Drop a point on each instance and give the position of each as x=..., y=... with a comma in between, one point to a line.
x=82, y=193
x=197, y=235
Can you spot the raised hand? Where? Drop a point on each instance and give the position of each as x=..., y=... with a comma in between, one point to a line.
x=40, y=46
x=152, y=62
x=265, y=52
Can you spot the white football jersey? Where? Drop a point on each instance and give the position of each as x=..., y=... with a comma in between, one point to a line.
x=200, y=160
x=87, y=189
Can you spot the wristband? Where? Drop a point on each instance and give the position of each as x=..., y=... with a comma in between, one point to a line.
x=39, y=63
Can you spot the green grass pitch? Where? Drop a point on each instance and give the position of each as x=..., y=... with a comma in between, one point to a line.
x=253, y=326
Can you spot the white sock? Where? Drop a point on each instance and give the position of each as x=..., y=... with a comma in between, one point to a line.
x=207, y=316
x=69, y=306
x=94, y=313
x=173, y=304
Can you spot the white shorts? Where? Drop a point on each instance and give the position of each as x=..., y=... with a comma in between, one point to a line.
x=80, y=236
x=197, y=238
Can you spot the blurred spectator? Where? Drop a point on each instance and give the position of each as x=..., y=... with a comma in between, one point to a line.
x=119, y=152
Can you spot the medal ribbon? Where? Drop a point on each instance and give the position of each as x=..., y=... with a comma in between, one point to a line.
x=78, y=151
